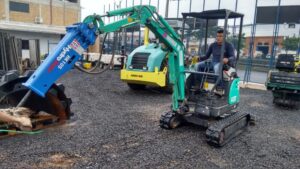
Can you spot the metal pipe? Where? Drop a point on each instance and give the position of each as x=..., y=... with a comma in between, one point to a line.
x=119, y=7
x=25, y=99
x=121, y=35
x=104, y=13
x=1, y=52
x=239, y=40
x=206, y=34
x=125, y=32
x=183, y=28
x=140, y=29
x=5, y=36
x=115, y=10
x=223, y=43
x=188, y=32
x=158, y=6
x=234, y=22
x=108, y=41
x=275, y=36
x=200, y=39
x=167, y=9
x=201, y=73
x=251, y=44
x=298, y=50
x=178, y=8
x=115, y=39
x=146, y=36
x=132, y=32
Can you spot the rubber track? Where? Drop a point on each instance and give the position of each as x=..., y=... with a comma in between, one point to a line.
x=165, y=119
x=213, y=132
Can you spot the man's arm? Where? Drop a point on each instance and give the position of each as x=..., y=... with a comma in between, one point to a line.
x=208, y=53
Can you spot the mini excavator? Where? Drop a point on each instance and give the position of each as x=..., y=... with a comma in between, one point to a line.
x=37, y=97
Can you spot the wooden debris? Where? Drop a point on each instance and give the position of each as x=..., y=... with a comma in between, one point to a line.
x=20, y=117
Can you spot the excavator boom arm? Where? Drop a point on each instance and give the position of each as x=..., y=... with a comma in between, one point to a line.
x=80, y=36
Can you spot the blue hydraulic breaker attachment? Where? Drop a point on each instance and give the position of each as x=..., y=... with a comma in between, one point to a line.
x=69, y=50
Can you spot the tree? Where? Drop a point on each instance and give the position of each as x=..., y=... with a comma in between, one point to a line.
x=212, y=31
x=290, y=43
x=200, y=33
x=234, y=41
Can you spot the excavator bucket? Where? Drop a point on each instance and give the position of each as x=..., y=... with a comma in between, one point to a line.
x=37, y=113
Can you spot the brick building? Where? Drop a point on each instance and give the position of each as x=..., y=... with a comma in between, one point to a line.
x=39, y=23
x=288, y=26
x=263, y=44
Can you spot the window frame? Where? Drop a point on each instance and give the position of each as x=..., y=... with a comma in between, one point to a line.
x=19, y=7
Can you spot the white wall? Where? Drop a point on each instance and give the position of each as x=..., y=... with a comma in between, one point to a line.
x=267, y=30
x=44, y=39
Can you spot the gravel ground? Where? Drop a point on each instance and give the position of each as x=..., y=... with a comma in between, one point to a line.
x=114, y=127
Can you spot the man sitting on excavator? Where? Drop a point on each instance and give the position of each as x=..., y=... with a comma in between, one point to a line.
x=215, y=50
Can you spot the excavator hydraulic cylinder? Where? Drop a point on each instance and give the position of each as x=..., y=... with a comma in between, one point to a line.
x=62, y=59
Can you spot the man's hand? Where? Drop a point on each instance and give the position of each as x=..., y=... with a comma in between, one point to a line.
x=225, y=60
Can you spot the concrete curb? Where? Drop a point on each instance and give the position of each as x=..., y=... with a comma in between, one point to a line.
x=250, y=85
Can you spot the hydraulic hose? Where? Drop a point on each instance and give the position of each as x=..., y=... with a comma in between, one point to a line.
x=21, y=132
x=92, y=70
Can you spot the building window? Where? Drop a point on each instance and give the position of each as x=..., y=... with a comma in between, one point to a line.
x=292, y=25
x=18, y=7
x=259, y=43
x=266, y=44
x=73, y=1
x=25, y=44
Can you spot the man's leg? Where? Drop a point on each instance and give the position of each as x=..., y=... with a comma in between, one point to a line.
x=216, y=68
x=200, y=66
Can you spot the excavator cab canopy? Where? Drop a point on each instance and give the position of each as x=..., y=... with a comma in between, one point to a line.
x=224, y=14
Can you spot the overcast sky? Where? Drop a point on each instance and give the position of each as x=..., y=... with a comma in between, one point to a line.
x=244, y=6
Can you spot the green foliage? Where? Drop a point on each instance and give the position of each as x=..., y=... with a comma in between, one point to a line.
x=212, y=31
x=290, y=43
x=234, y=40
